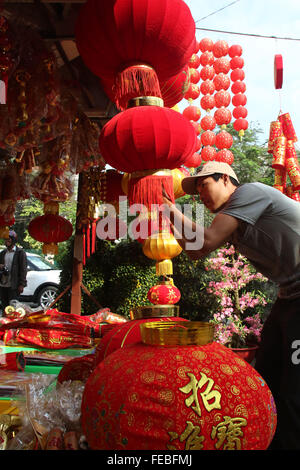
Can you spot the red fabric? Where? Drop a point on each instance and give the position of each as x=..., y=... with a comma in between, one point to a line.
x=177, y=398
x=53, y=339
x=111, y=35
x=79, y=368
x=147, y=137
x=50, y=228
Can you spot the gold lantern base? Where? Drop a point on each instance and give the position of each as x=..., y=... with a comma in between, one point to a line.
x=185, y=333
x=155, y=311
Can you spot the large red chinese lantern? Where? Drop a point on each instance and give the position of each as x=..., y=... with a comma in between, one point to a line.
x=137, y=44
x=50, y=229
x=177, y=390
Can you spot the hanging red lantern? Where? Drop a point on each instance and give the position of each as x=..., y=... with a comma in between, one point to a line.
x=50, y=229
x=222, y=116
x=207, y=58
x=198, y=144
x=238, y=87
x=221, y=81
x=194, y=161
x=220, y=48
x=208, y=138
x=196, y=126
x=207, y=87
x=192, y=113
x=193, y=92
x=207, y=102
x=208, y=153
x=170, y=393
x=240, y=111
x=225, y=156
x=110, y=52
x=208, y=123
x=237, y=63
x=207, y=72
x=222, y=65
x=237, y=74
x=224, y=140
x=240, y=125
x=174, y=89
x=194, y=75
x=194, y=61
x=206, y=44
x=239, y=99
x=235, y=50
x=222, y=98
x=164, y=294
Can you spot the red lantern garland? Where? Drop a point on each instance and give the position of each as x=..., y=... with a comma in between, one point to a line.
x=238, y=88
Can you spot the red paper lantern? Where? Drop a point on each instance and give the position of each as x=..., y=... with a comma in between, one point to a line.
x=174, y=89
x=220, y=48
x=207, y=102
x=207, y=87
x=50, y=229
x=194, y=161
x=237, y=63
x=206, y=44
x=225, y=156
x=193, y=92
x=147, y=137
x=194, y=75
x=164, y=294
x=194, y=61
x=112, y=35
x=222, y=116
x=238, y=87
x=224, y=140
x=208, y=153
x=208, y=123
x=207, y=72
x=222, y=65
x=208, y=138
x=237, y=74
x=197, y=127
x=207, y=58
x=239, y=99
x=240, y=111
x=240, y=125
x=235, y=50
x=192, y=113
x=177, y=398
x=198, y=144
x=222, y=98
x=221, y=81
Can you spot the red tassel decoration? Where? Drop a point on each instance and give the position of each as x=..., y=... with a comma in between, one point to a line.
x=94, y=224
x=88, y=241
x=148, y=190
x=83, y=246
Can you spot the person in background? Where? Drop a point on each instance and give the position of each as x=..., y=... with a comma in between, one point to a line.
x=13, y=271
x=264, y=226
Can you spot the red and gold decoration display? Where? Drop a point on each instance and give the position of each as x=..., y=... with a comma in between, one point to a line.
x=164, y=293
x=178, y=390
x=281, y=145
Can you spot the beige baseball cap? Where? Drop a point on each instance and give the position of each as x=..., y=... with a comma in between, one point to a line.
x=189, y=184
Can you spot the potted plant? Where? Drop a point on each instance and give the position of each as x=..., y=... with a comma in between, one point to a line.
x=238, y=321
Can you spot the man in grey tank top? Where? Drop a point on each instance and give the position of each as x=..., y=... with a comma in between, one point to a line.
x=264, y=226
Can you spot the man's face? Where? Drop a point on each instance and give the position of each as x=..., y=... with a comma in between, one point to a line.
x=9, y=243
x=213, y=194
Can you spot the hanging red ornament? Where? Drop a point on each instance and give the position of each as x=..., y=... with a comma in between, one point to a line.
x=220, y=48
x=238, y=87
x=240, y=125
x=196, y=126
x=207, y=72
x=206, y=44
x=207, y=87
x=239, y=99
x=224, y=140
x=50, y=229
x=235, y=50
x=208, y=138
x=222, y=98
x=198, y=144
x=240, y=111
x=194, y=75
x=164, y=294
x=222, y=65
x=278, y=71
x=193, y=92
x=194, y=61
x=207, y=102
x=192, y=113
x=207, y=58
x=225, y=156
x=208, y=153
x=208, y=123
x=194, y=161
x=222, y=116
x=237, y=63
x=174, y=89
x=221, y=81
x=237, y=74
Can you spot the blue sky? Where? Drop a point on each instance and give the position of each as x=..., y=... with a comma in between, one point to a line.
x=279, y=18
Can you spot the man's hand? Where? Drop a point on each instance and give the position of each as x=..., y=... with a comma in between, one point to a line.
x=20, y=289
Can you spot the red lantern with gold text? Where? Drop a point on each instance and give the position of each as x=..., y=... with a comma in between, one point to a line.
x=50, y=229
x=136, y=44
x=177, y=390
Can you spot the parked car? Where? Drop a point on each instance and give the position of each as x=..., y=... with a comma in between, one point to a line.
x=42, y=281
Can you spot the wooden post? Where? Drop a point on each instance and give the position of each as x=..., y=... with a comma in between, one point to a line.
x=77, y=260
